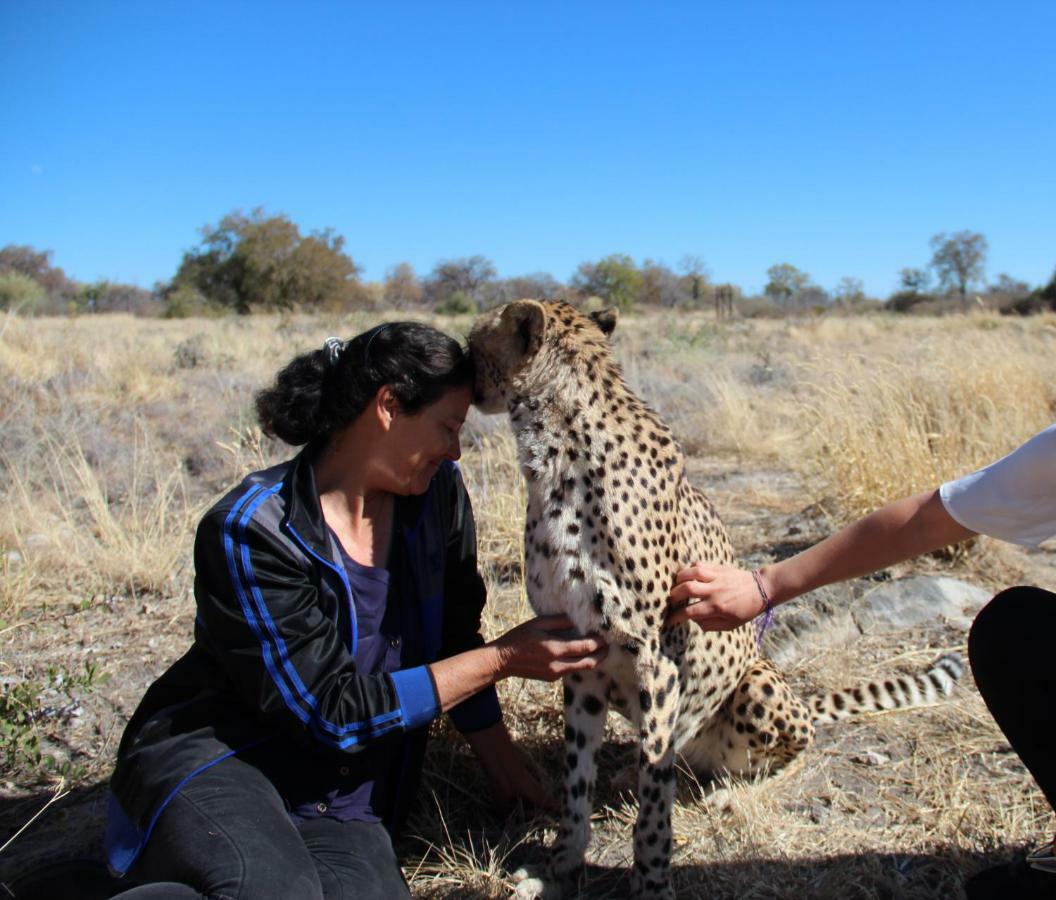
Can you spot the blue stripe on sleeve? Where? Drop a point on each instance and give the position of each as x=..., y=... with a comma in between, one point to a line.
x=247, y=611
x=338, y=735
x=414, y=687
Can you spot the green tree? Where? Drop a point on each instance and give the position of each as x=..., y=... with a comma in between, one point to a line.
x=259, y=262
x=57, y=291
x=786, y=283
x=36, y=264
x=959, y=260
x=614, y=278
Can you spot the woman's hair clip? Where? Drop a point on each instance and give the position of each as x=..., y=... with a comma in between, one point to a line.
x=333, y=347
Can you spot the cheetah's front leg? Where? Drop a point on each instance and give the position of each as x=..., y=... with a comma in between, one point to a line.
x=585, y=709
x=658, y=709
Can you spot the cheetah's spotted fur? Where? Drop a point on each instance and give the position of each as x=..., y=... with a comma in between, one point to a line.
x=611, y=517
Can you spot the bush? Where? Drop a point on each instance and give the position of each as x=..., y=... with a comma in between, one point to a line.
x=904, y=301
x=187, y=301
x=458, y=304
x=1041, y=300
x=19, y=293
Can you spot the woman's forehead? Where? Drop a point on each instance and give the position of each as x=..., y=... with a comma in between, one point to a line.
x=455, y=402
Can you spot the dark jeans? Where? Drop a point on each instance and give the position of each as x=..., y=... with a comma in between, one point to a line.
x=1011, y=648
x=226, y=834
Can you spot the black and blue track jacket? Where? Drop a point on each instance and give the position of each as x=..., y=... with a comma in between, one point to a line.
x=273, y=642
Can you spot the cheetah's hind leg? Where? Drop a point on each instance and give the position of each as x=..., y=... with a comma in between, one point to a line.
x=760, y=728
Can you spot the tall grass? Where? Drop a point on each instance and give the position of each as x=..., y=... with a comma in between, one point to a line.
x=69, y=538
x=867, y=409
x=900, y=420
x=493, y=477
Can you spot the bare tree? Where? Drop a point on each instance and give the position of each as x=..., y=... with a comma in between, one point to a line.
x=696, y=273
x=959, y=260
x=402, y=288
x=916, y=281
x=1010, y=287
x=724, y=297
x=849, y=291
x=660, y=286
x=462, y=279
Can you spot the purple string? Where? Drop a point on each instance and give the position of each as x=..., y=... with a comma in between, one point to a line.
x=762, y=622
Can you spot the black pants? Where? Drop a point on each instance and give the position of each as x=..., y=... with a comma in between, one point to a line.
x=227, y=835
x=1011, y=648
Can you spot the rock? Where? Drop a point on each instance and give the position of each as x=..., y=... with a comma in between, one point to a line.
x=871, y=758
x=821, y=618
x=917, y=600
x=839, y=613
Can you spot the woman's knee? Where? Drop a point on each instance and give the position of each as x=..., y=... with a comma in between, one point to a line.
x=229, y=850
x=1008, y=612
x=1006, y=628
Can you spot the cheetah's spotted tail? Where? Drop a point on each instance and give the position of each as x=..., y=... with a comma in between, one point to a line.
x=901, y=692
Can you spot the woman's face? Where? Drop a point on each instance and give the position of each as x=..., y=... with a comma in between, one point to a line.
x=419, y=443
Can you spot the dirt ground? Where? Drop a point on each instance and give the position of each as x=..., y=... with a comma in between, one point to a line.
x=895, y=805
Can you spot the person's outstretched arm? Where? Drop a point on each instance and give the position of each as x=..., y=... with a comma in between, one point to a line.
x=719, y=598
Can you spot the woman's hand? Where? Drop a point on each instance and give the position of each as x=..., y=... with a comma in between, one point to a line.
x=717, y=598
x=512, y=782
x=537, y=649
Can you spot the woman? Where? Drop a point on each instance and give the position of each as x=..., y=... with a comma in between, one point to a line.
x=1010, y=643
x=338, y=613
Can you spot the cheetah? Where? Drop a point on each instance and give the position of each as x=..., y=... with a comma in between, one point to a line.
x=611, y=518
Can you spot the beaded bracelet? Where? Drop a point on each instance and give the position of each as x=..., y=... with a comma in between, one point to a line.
x=764, y=620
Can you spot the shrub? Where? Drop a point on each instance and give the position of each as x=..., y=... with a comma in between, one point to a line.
x=904, y=301
x=458, y=304
x=187, y=301
x=19, y=293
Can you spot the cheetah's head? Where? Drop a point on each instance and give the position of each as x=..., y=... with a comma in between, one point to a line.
x=517, y=347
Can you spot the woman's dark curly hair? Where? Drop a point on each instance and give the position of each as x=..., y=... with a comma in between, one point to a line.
x=320, y=392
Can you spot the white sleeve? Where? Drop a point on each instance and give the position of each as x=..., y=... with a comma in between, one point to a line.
x=1013, y=499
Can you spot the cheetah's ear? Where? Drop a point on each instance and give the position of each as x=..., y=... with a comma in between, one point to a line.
x=525, y=319
x=606, y=319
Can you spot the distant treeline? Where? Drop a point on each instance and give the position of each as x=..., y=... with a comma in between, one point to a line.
x=261, y=263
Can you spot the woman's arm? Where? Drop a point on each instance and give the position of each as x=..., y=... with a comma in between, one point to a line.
x=531, y=650
x=719, y=598
x=507, y=771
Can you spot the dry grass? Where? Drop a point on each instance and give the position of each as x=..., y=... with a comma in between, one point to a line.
x=904, y=418
x=116, y=432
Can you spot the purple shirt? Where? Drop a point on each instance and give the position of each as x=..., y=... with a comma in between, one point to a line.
x=359, y=788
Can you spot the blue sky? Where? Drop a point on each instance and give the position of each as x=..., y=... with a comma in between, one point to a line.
x=837, y=137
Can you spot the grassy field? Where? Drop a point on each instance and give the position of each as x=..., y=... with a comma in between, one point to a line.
x=116, y=433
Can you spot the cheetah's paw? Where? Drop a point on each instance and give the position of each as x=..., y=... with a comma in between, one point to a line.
x=532, y=884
